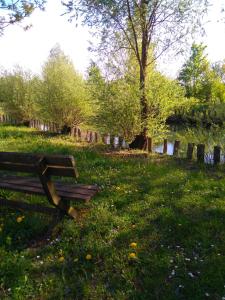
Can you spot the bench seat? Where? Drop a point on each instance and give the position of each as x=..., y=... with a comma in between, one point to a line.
x=32, y=185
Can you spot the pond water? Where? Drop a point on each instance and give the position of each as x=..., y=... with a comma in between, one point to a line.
x=209, y=138
x=182, y=153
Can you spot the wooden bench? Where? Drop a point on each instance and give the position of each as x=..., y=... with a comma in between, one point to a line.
x=45, y=167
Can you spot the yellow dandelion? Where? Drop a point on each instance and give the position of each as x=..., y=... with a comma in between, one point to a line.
x=88, y=257
x=20, y=219
x=133, y=245
x=132, y=255
x=61, y=259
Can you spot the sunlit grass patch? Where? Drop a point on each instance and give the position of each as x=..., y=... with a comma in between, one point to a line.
x=155, y=231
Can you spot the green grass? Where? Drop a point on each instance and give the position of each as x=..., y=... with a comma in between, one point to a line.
x=173, y=210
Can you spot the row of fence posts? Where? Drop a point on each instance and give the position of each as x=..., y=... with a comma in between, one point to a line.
x=95, y=137
x=44, y=126
x=190, y=150
x=117, y=141
x=6, y=119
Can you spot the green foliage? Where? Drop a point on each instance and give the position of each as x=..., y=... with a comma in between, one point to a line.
x=125, y=19
x=194, y=73
x=139, y=27
x=199, y=79
x=63, y=98
x=205, y=89
x=18, y=93
x=117, y=101
x=164, y=96
x=119, y=109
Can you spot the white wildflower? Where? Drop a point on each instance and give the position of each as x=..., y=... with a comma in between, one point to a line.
x=191, y=275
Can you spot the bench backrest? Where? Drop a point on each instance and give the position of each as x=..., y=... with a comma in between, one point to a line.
x=57, y=165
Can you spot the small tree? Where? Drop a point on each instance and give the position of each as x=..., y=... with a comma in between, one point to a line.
x=18, y=94
x=63, y=98
x=164, y=97
x=199, y=79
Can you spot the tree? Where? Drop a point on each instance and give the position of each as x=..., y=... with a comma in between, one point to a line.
x=63, y=98
x=164, y=96
x=119, y=108
x=199, y=79
x=118, y=105
x=14, y=11
x=195, y=72
x=139, y=26
x=18, y=94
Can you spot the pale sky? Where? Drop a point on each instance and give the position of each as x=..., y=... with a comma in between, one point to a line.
x=30, y=49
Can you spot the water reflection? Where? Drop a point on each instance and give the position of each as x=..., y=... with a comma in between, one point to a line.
x=182, y=153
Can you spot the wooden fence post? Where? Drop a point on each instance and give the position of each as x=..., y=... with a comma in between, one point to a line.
x=90, y=137
x=79, y=134
x=176, y=148
x=96, y=137
x=165, y=146
x=104, y=139
x=190, y=150
x=120, y=142
x=111, y=139
x=116, y=142
x=72, y=132
x=149, y=144
x=216, y=156
x=87, y=136
x=201, y=153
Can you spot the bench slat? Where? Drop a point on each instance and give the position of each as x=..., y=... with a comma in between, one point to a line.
x=64, y=187
x=29, y=158
x=58, y=165
x=39, y=191
x=26, y=168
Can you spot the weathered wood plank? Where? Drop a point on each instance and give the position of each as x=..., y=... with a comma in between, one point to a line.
x=67, y=185
x=61, y=186
x=73, y=195
x=28, y=168
x=29, y=158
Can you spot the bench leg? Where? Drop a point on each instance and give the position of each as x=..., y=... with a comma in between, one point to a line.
x=73, y=212
x=51, y=192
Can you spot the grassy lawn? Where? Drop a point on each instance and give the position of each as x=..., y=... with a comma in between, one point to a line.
x=172, y=210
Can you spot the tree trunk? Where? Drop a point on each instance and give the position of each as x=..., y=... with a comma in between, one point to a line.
x=140, y=141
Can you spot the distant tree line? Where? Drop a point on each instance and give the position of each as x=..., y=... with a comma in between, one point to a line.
x=204, y=85
x=112, y=103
